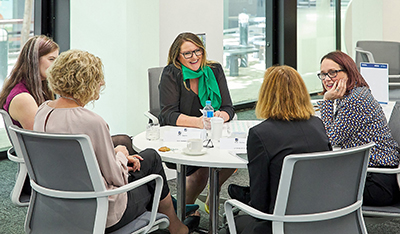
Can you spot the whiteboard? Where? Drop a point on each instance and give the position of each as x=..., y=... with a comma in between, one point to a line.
x=377, y=77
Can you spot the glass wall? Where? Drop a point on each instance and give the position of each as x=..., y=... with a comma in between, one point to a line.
x=244, y=43
x=316, y=36
x=11, y=18
x=244, y=48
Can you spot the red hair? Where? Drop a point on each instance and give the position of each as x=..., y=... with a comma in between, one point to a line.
x=348, y=66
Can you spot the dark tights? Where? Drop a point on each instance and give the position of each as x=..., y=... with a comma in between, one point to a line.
x=125, y=140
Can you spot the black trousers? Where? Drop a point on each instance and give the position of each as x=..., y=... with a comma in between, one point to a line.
x=140, y=199
x=381, y=189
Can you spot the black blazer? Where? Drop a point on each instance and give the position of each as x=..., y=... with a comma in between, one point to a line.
x=175, y=99
x=268, y=144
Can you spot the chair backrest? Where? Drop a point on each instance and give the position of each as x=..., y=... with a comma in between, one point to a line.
x=11, y=135
x=383, y=52
x=323, y=182
x=154, y=96
x=8, y=122
x=67, y=164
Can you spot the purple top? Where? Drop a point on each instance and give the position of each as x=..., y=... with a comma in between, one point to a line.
x=18, y=88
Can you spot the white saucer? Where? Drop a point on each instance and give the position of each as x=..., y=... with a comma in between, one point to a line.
x=186, y=151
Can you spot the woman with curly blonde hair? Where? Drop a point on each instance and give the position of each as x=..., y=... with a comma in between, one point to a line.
x=77, y=76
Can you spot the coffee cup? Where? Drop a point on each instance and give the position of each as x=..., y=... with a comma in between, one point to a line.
x=194, y=145
x=216, y=128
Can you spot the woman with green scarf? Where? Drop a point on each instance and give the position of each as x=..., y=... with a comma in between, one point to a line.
x=186, y=83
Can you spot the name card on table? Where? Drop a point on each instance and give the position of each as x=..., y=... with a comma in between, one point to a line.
x=238, y=145
x=177, y=134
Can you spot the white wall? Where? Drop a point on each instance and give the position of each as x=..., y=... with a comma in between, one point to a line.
x=122, y=34
x=390, y=22
x=371, y=20
x=178, y=16
x=131, y=36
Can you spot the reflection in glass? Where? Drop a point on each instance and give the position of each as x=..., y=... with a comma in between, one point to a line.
x=11, y=19
x=244, y=48
x=316, y=37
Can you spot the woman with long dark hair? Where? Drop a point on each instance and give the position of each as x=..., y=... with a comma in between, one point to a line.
x=26, y=87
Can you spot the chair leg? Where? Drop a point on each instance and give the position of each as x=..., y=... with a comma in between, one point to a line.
x=16, y=193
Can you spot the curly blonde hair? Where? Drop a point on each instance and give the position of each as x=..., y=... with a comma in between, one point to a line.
x=77, y=74
x=283, y=95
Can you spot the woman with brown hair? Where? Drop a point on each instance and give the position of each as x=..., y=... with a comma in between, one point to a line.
x=353, y=117
x=26, y=88
x=290, y=127
x=186, y=83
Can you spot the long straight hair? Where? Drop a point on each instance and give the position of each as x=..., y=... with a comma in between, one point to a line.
x=26, y=69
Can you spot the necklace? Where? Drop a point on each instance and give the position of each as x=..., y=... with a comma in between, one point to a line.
x=72, y=99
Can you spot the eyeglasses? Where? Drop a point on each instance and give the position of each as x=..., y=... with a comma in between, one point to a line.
x=331, y=74
x=189, y=54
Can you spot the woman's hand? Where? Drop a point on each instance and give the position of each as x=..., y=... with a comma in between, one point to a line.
x=222, y=114
x=203, y=122
x=135, y=161
x=122, y=149
x=337, y=91
x=207, y=123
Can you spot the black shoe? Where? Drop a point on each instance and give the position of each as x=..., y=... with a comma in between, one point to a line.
x=239, y=193
x=192, y=222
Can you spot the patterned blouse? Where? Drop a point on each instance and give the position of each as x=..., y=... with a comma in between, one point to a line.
x=358, y=119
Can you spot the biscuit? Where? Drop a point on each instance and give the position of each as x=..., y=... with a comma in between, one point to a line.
x=164, y=149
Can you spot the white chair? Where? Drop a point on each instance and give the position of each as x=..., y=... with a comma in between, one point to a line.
x=377, y=214
x=69, y=195
x=14, y=154
x=318, y=193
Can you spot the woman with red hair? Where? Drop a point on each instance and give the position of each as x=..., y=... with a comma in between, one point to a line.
x=353, y=117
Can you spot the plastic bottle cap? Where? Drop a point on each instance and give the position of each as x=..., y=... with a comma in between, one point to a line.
x=208, y=102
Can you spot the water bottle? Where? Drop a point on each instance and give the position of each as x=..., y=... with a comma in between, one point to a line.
x=208, y=112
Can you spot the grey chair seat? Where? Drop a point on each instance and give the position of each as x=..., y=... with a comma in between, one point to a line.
x=142, y=221
x=389, y=211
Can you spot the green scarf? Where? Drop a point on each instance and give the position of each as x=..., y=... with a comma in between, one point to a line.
x=208, y=85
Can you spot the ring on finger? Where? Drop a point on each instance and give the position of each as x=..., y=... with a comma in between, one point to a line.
x=337, y=90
